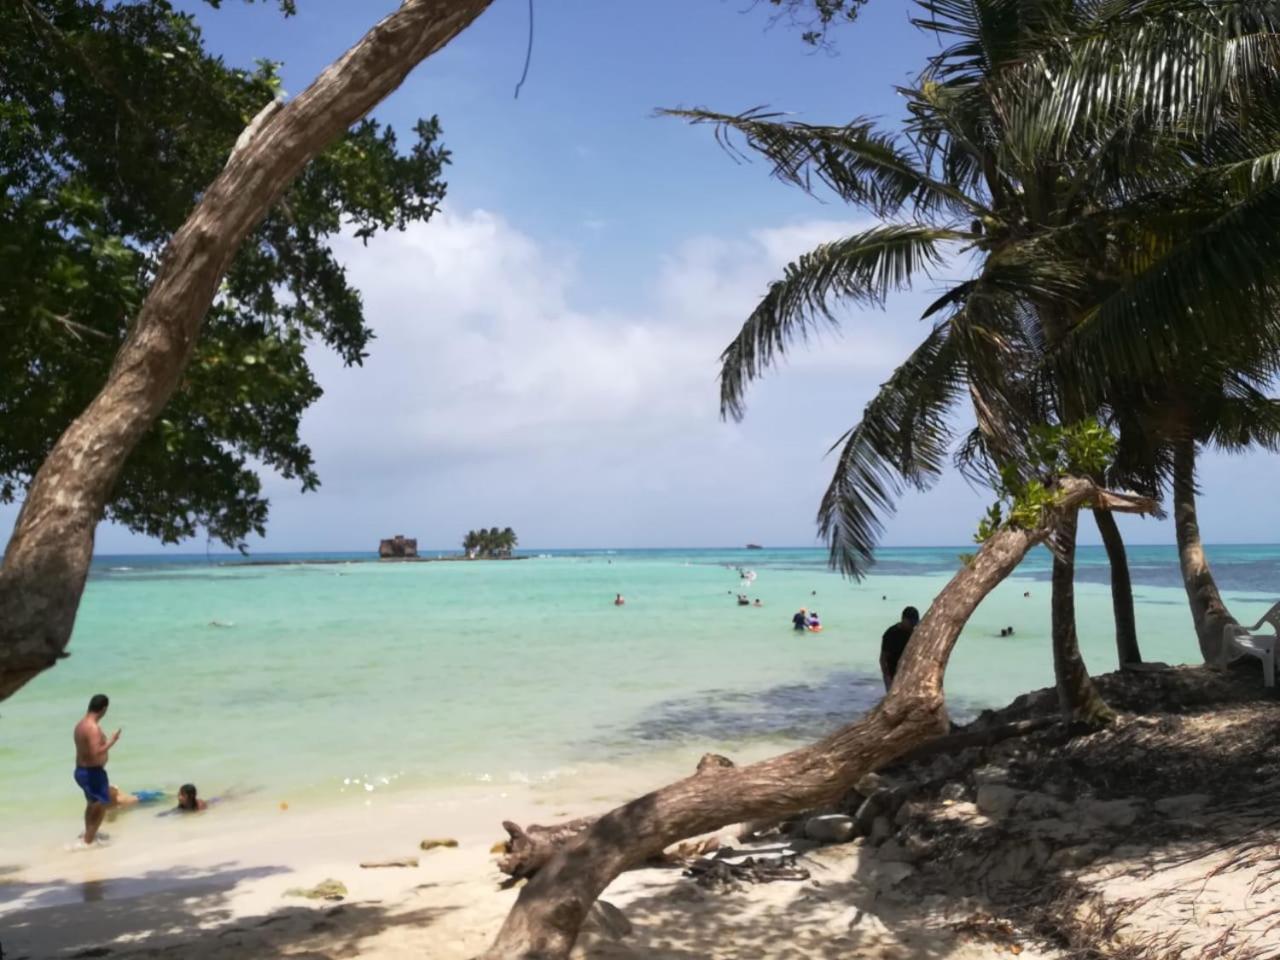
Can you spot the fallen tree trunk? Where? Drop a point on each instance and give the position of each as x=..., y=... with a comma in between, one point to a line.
x=47, y=558
x=545, y=919
x=530, y=848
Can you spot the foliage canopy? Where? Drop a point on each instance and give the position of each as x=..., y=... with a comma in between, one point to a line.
x=490, y=544
x=113, y=119
x=1108, y=177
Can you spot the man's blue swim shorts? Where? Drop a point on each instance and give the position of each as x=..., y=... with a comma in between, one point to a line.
x=93, y=781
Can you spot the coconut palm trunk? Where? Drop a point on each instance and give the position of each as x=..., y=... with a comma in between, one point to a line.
x=1127, y=650
x=1077, y=695
x=1211, y=616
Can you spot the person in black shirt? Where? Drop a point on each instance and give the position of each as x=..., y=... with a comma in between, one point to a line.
x=800, y=621
x=894, y=642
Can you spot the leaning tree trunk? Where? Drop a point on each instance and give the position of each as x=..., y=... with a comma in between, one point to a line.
x=1127, y=650
x=1079, y=698
x=545, y=919
x=1211, y=616
x=48, y=554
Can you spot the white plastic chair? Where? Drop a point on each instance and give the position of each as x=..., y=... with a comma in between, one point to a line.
x=1260, y=645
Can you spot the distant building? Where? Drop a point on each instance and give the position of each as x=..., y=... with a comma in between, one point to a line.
x=398, y=547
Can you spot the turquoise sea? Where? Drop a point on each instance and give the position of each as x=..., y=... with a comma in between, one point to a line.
x=331, y=681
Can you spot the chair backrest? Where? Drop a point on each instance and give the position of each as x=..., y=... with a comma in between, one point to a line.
x=1272, y=617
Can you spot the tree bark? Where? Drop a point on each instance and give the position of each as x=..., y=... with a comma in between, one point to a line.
x=1127, y=650
x=1210, y=614
x=48, y=555
x=545, y=919
x=530, y=848
x=1079, y=698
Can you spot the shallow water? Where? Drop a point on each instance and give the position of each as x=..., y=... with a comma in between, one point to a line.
x=339, y=681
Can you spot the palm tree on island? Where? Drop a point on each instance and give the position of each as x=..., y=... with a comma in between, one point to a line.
x=491, y=544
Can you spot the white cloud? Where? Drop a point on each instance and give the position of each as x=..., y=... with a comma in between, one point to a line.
x=486, y=376
x=480, y=349
x=491, y=395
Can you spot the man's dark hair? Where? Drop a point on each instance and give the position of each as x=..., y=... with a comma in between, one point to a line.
x=187, y=790
x=98, y=703
x=912, y=614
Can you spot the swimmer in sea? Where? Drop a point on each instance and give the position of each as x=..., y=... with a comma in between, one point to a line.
x=618, y=601
x=122, y=800
x=188, y=802
x=757, y=603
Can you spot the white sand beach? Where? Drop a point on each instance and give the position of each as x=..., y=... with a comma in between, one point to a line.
x=220, y=892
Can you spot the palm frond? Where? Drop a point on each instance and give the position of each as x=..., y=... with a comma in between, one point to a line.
x=974, y=460
x=861, y=269
x=1244, y=418
x=902, y=440
x=1158, y=63
x=860, y=164
x=1213, y=289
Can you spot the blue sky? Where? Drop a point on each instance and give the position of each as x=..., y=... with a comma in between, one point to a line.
x=546, y=351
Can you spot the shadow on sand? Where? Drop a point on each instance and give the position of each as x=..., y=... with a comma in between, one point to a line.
x=161, y=913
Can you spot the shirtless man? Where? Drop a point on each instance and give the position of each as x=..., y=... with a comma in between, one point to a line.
x=92, y=747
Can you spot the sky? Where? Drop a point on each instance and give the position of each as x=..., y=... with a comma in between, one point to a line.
x=546, y=351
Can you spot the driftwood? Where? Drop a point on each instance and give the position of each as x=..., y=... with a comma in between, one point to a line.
x=47, y=558
x=546, y=917
x=529, y=848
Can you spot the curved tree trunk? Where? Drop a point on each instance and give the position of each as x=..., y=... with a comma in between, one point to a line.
x=1127, y=650
x=1211, y=616
x=48, y=554
x=545, y=919
x=1080, y=700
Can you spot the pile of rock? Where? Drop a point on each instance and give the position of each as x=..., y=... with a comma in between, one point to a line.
x=990, y=815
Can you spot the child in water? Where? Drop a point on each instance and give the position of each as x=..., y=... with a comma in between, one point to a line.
x=188, y=802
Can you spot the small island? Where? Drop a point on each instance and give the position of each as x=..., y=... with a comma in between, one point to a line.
x=491, y=544
x=398, y=547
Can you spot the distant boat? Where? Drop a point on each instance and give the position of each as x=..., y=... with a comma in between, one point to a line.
x=754, y=546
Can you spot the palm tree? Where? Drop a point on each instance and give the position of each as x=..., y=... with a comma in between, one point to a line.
x=1212, y=399
x=489, y=543
x=508, y=541
x=1095, y=165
